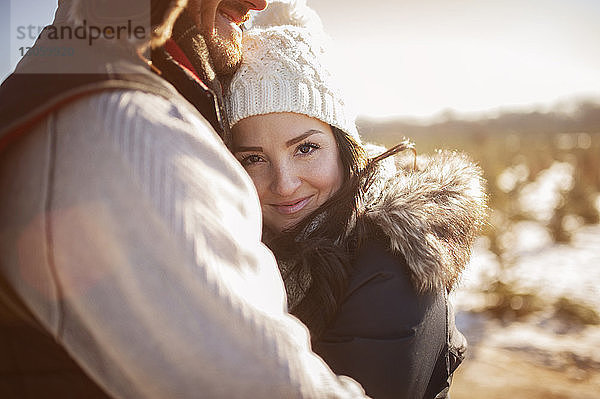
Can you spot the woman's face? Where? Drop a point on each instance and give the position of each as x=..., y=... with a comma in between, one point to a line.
x=293, y=161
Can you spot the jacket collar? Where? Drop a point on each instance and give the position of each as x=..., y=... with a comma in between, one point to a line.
x=30, y=93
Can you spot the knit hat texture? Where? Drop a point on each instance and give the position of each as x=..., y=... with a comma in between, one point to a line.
x=284, y=69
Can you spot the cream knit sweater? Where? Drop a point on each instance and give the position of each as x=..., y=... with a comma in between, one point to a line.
x=141, y=254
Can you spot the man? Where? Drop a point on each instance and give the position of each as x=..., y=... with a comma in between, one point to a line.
x=130, y=237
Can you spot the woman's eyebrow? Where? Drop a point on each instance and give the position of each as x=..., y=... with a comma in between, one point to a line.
x=244, y=149
x=298, y=139
x=288, y=143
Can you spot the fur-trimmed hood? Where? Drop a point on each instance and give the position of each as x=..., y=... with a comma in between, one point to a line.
x=430, y=215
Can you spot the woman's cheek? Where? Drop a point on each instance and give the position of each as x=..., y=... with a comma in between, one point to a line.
x=260, y=181
x=330, y=176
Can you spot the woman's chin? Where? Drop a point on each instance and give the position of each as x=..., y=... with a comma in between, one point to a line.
x=280, y=226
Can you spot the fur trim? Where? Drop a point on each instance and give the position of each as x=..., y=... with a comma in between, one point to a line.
x=432, y=216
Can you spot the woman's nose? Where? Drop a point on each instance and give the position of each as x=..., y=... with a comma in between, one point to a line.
x=285, y=181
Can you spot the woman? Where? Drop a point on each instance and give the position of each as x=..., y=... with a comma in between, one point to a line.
x=368, y=253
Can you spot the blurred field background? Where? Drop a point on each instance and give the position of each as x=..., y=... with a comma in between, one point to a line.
x=529, y=303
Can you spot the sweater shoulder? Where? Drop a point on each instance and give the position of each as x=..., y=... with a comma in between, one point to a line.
x=139, y=106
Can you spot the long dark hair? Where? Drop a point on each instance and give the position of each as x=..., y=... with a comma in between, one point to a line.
x=315, y=256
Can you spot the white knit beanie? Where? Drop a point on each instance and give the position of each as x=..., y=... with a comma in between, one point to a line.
x=284, y=70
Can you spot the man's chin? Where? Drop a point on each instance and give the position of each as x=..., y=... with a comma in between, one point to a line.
x=226, y=55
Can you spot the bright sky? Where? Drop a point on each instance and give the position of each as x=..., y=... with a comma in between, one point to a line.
x=419, y=57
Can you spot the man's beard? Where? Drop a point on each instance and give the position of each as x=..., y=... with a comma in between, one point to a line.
x=226, y=54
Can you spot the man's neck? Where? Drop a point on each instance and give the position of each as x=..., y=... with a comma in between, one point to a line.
x=184, y=60
x=187, y=36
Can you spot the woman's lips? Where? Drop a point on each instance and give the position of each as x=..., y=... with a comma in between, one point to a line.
x=291, y=207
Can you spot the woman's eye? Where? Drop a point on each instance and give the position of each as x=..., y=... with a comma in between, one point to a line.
x=250, y=159
x=307, y=148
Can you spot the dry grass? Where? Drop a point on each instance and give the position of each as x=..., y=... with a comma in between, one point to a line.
x=494, y=373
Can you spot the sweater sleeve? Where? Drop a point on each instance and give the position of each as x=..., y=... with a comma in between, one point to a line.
x=385, y=335
x=160, y=286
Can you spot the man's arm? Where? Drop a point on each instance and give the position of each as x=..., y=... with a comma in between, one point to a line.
x=157, y=283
